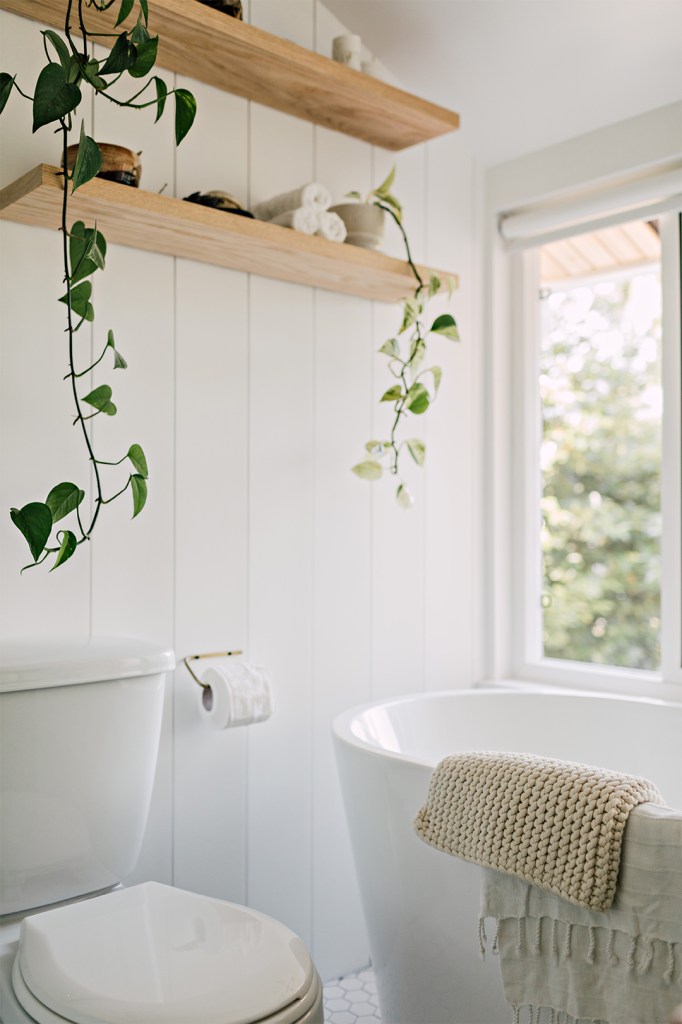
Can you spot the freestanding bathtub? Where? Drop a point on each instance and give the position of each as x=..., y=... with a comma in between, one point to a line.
x=420, y=905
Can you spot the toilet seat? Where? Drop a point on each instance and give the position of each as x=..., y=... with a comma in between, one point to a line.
x=39, y=1012
x=159, y=955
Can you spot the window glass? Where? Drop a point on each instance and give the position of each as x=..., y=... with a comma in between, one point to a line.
x=600, y=453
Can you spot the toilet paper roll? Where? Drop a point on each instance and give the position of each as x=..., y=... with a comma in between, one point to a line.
x=235, y=694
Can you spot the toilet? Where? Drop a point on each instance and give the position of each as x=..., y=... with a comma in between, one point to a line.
x=79, y=731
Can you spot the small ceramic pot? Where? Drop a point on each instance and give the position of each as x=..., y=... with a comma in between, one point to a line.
x=364, y=223
x=118, y=163
x=347, y=50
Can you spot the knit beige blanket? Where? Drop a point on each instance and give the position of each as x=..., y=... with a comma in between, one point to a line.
x=554, y=824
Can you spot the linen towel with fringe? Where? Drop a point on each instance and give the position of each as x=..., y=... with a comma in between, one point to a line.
x=562, y=964
x=555, y=824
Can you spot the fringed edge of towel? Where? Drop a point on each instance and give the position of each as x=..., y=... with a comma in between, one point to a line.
x=638, y=960
x=549, y=1015
x=483, y=939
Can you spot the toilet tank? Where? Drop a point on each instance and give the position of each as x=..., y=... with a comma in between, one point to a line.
x=79, y=734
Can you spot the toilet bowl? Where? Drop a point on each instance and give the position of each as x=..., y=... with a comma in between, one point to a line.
x=73, y=819
x=153, y=954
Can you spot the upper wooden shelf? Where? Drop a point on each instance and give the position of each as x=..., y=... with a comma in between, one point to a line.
x=221, y=51
x=157, y=223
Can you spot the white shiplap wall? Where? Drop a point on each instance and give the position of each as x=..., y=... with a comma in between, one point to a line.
x=252, y=398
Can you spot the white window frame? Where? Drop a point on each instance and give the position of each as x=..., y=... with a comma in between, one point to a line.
x=512, y=612
x=671, y=497
x=527, y=659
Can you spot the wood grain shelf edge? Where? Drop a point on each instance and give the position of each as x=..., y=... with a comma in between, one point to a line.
x=239, y=58
x=158, y=223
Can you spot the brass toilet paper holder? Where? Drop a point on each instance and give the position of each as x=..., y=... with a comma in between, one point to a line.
x=199, y=657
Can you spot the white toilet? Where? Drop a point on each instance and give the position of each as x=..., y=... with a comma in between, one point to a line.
x=79, y=732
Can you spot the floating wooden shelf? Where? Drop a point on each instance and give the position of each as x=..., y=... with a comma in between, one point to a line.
x=157, y=223
x=214, y=48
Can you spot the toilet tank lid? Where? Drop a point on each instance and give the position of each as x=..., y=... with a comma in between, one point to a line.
x=36, y=664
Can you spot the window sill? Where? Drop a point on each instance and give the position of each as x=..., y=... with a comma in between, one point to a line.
x=577, y=676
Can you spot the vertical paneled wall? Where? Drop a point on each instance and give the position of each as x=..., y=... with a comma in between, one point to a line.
x=252, y=398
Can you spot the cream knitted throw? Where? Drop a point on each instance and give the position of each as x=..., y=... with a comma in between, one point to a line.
x=554, y=824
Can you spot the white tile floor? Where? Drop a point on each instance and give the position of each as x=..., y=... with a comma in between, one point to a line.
x=352, y=999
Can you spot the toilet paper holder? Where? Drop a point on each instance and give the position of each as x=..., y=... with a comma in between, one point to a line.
x=199, y=657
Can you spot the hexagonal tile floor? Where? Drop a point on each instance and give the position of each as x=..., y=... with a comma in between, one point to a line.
x=352, y=999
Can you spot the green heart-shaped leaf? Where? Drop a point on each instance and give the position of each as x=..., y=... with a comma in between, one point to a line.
x=61, y=48
x=138, y=486
x=404, y=496
x=161, y=94
x=385, y=187
x=185, y=112
x=124, y=11
x=139, y=34
x=145, y=59
x=417, y=400
x=88, y=160
x=393, y=394
x=87, y=251
x=417, y=450
x=6, y=83
x=446, y=325
x=91, y=75
x=80, y=300
x=368, y=470
x=121, y=57
x=35, y=522
x=62, y=499
x=73, y=70
x=54, y=97
x=137, y=457
x=437, y=376
x=434, y=285
x=100, y=399
x=391, y=348
x=119, y=361
x=411, y=310
x=68, y=545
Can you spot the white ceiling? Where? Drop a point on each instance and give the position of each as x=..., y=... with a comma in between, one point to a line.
x=524, y=74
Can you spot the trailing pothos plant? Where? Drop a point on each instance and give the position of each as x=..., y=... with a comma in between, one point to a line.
x=415, y=386
x=71, y=68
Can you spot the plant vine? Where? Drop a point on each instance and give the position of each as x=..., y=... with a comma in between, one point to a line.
x=410, y=393
x=57, y=97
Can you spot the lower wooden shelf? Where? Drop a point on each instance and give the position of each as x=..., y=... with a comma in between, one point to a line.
x=157, y=223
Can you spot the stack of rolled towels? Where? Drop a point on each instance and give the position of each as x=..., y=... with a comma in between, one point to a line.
x=305, y=209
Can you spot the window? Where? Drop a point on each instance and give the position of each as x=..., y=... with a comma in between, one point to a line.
x=595, y=591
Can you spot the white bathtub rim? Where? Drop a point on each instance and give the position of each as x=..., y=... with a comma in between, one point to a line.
x=342, y=723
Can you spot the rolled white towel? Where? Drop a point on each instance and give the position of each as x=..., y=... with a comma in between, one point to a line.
x=314, y=195
x=332, y=227
x=305, y=219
